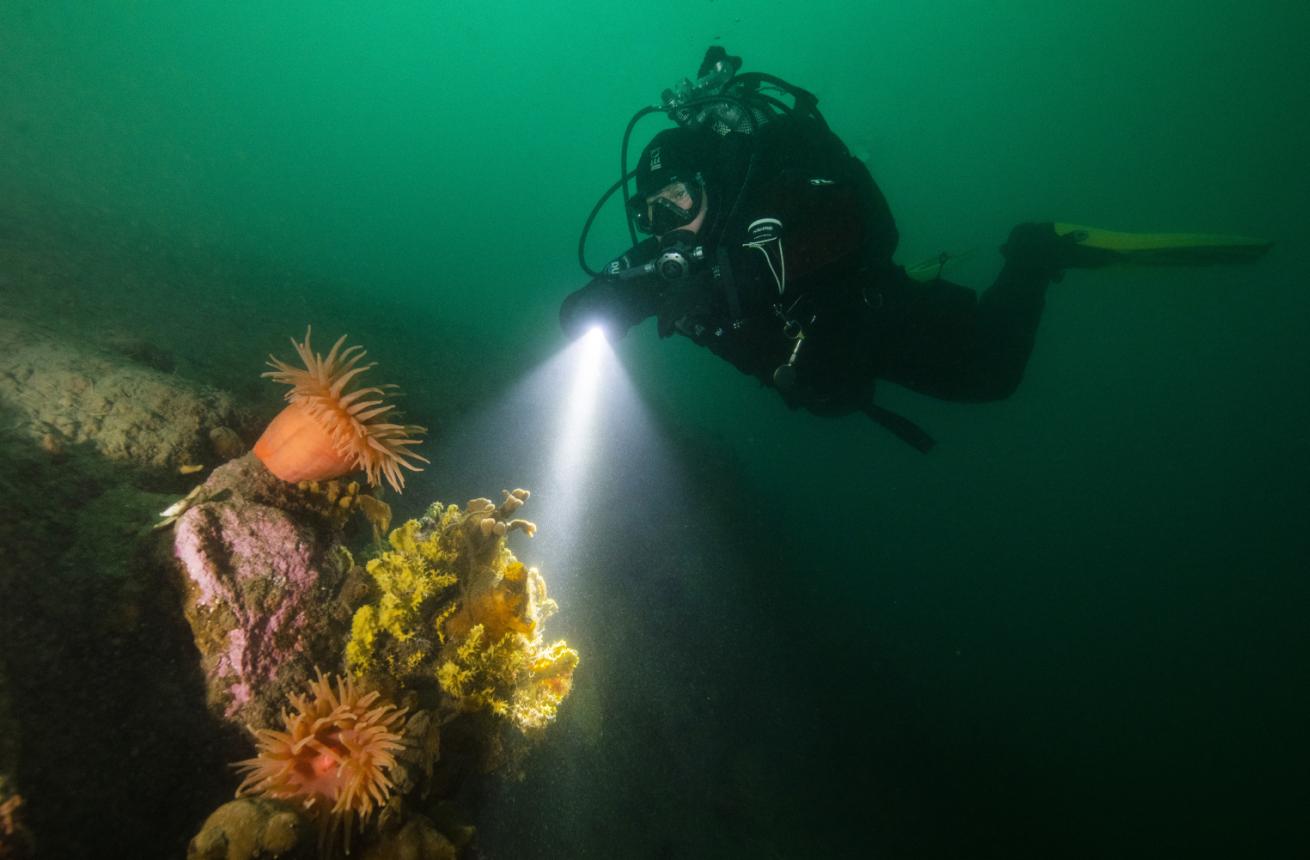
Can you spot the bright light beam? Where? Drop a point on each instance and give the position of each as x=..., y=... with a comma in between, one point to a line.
x=590, y=363
x=566, y=431
x=576, y=437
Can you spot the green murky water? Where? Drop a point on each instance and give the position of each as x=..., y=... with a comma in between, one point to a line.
x=1075, y=629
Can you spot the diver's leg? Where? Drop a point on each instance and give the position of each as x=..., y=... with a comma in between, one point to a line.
x=946, y=341
x=1010, y=310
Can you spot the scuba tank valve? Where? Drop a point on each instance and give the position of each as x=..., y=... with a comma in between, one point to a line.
x=707, y=84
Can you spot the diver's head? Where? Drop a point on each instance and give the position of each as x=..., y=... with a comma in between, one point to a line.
x=672, y=194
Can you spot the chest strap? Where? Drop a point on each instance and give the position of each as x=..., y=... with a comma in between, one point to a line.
x=904, y=429
x=727, y=283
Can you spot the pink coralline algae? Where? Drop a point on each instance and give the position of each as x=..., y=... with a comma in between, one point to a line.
x=261, y=582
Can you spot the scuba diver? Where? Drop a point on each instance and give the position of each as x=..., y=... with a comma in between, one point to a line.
x=769, y=243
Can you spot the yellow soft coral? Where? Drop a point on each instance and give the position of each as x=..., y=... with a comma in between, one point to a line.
x=514, y=601
x=547, y=683
x=514, y=677
x=391, y=634
x=455, y=607
x=479, y=670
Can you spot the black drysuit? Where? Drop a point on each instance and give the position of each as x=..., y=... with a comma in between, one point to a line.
x=863, y=318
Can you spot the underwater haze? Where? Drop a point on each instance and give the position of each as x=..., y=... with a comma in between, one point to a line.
x=1076, y=628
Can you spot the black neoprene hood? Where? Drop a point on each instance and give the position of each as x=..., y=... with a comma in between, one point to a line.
x=676, y=154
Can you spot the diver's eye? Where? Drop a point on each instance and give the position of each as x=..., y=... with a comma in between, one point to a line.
x=674, y=193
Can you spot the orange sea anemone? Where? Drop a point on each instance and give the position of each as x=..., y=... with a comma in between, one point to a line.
x=335, y=757
x=326, y=432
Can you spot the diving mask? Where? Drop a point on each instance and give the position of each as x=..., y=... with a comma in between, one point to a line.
x=671, y=208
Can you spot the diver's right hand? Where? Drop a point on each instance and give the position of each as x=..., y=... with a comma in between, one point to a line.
x=585, y=308
x=614, y=306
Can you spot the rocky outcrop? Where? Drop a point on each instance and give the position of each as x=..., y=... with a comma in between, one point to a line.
x=265, y=579
x=251, y=828
x=64, y=393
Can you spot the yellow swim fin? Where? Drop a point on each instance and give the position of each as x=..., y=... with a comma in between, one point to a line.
x=1166, y=249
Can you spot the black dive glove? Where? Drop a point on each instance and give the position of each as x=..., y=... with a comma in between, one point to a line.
x=615, y=301
x=614, y=305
